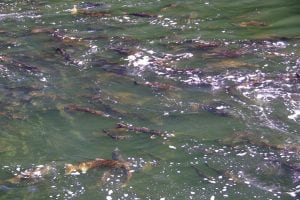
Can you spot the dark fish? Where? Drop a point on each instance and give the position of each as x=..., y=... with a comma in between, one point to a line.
x=142, y=129
x=201, y=44
x=201, y=174
x=91, y=5
x=216, y=110
x=144, y=15
x=115, y=134
x=19, y=64
x=63, y=52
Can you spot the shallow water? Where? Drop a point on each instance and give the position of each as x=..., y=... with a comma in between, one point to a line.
x=216, y=84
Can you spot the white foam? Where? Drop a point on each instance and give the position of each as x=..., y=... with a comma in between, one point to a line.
x=242, y=154
x=295, y=115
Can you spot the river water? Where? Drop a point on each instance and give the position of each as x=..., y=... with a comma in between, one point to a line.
x=206, y=94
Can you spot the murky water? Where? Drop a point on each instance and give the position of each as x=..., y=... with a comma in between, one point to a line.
x=202, y=98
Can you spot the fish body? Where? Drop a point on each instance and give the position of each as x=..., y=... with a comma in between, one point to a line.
x=98, y=163
x=32, y=174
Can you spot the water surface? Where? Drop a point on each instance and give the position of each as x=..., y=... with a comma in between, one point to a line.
x=219, y=79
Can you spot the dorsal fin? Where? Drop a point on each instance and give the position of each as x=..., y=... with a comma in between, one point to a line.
x=116, y=155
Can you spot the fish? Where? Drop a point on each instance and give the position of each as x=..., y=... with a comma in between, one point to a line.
x=83, y=167
x=74, y=107
x=32, y=175
x=76, y=11
x=116, y=164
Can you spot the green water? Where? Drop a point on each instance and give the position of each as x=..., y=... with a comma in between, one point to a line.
x=229, y=93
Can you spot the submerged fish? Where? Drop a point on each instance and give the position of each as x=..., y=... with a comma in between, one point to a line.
x=75, y=107
x=83, y=167
x=117, y=163
x=32, y=175
x=76, y=11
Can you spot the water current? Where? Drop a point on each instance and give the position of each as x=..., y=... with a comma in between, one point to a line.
x=156, y=99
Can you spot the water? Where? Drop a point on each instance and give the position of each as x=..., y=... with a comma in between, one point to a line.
x=215, y=84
